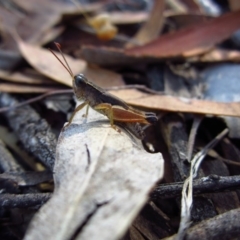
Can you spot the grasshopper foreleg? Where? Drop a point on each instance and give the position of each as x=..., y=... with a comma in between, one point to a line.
x=86, y=114
x=78, y=108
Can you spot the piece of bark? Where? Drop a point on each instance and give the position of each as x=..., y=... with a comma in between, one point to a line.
x=34, y=132
x=9, y=201
x=175, y=136
x=24, y=179
x=152, y=223
x=176, y=139
x=102, y=179
x=224, y=226
x=133, y=234
x=230, y=151
x=7, y=162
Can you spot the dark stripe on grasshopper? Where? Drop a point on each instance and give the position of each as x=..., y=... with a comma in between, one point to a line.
x=151, y=117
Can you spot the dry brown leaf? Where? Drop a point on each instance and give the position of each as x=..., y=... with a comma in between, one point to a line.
x=189, y=19
x=40, y=16
x=49, y=35
x=24, y=76
x=192, y=6
x=109, y=56
x=177, y=6
x=102, y=180
x=234, y=5
x=21, y=88
x=150, y=30
x=76, y=9
x=125, y=17
x=169, y=103
x=8, y=21
x=103, y=77
x=218, y=55
x=194, y=40
x=35, y=23
x=44, y=62
x=104, y=24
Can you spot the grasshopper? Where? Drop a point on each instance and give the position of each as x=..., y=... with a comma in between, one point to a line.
x=116, y=110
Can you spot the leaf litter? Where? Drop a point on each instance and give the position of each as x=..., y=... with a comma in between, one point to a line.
x=101, y=177
x=43, y=61
x=87, y=183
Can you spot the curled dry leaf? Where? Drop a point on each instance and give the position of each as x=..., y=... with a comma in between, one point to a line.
x=24, y=76
x=170, y=103
x=150, y=30
x=44, y=62
x=20, y=88
x=102, y=180
x=102, y=77
x=110, y=56
x=34, y=20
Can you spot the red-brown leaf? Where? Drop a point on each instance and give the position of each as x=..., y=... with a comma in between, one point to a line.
x=193, y=39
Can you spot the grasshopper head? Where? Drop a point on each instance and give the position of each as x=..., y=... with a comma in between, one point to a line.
x=79, y=85
x=80, y=80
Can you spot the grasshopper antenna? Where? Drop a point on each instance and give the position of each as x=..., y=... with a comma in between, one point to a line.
x=66, y=65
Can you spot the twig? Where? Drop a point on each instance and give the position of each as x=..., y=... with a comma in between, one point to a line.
x=215, y=155
x=35, y=99
x=186, y=202
x=27, y=178
x=210, y=184
x=196, y=122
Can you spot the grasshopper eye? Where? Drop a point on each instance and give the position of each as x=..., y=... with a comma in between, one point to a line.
x=79, y=79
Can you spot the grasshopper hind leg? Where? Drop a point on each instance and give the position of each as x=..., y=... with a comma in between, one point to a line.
x=110, y=116
x=107, y=110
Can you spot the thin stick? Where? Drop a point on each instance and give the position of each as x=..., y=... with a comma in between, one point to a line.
x=196, y=122
x=68, y=91
x=35, y=99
